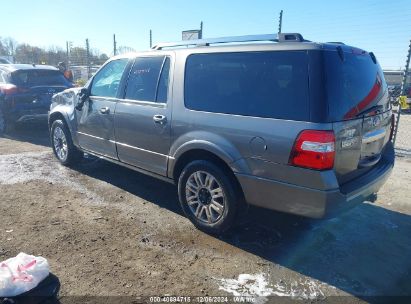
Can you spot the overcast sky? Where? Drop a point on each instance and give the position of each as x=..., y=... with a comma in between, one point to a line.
x=383, y=27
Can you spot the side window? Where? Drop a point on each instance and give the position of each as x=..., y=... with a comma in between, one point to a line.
x=107, y=80
x=2, y=80
x=259, y=84
x=145, y=82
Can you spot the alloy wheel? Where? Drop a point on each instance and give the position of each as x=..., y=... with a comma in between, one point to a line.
x=205, y=197
x=60, y=143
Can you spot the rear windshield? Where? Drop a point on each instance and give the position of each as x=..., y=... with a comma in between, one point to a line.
x=354, y=84
x=260, y=84
x=31, y=78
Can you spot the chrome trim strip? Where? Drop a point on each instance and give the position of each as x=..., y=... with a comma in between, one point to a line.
x=125, y=145
x=96, y=137
x=144, y=150
x=112, y=99
x=144, y=103
x=373, y=136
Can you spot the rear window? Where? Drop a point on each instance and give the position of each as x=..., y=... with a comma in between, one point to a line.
x=260, y=84
x=31, y=78
x=354, y=84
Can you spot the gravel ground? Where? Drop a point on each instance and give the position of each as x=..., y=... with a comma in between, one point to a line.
x=108, y=231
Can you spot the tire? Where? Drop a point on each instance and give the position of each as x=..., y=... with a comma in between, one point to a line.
x=199, y=181
x=2, y=123
x=5, y=125
x=62, y=144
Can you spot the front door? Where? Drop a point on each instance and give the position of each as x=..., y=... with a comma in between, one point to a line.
x=96, y=119
x=142, y=122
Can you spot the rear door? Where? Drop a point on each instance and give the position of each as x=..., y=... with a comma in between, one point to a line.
x=143, y=117
x=359, y=105
x=96, y=120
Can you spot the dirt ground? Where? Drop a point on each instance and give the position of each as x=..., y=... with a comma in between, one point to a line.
x=109, y=231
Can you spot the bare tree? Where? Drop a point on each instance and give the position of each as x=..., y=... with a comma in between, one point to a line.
x=10, y=44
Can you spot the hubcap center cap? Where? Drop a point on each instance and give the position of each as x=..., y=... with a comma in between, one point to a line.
x=204, y=196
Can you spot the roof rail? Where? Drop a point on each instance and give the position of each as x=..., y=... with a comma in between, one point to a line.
x=336, y=42
x=282, y=37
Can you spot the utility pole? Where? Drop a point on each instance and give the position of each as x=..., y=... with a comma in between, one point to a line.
x=114, y=45
x=403, y=83
x=88, y=58
x=280, y=22
x=407, y=66
x=151, y=39
x=201, y=30
x=67, y=53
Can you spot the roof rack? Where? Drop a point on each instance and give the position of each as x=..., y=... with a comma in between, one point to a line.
x=281, y=37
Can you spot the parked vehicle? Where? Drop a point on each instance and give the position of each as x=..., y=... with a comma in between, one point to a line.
x=26, y=91
x=4, y=61
x=273, y=121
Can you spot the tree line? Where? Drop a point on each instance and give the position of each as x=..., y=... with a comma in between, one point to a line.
x=26, y=53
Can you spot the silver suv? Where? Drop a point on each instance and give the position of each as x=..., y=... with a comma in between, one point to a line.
x=273, y=121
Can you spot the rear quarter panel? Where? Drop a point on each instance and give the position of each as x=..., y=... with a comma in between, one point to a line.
x=249, y=145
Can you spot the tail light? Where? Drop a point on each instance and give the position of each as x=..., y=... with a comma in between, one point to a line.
x=10, y=89
x=314, y=150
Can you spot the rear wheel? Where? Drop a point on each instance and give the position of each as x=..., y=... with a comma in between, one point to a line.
x=62, y=144
x=208, y=197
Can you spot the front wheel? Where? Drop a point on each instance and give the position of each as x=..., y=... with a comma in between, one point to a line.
x=207, y=196
x=62, y=144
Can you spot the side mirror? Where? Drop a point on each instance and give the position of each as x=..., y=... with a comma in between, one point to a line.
x=83, y=95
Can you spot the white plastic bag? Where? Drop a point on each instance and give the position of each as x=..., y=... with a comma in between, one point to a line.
x=21, y=273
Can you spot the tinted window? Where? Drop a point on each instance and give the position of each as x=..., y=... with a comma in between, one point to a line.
x=144, y=77
x=263, y=84
x=31, y=78
x=107, y=80
x=353, y=84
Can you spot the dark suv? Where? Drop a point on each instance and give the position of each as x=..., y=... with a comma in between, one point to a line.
x=273, y=121
x=26, y=91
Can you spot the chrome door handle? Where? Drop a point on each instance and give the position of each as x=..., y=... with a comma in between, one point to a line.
x=105, y=110
x=160, y=119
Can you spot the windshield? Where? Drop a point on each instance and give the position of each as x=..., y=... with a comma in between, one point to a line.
x=32, y=78
x=354, y=84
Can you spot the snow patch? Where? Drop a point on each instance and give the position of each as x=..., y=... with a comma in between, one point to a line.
x=248, y=285
x=257, y=287
x=25, y=167
x=304, y=289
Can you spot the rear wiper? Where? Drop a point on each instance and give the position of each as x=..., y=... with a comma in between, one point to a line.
x=376, y=108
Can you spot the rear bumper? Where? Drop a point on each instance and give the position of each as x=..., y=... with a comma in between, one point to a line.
x=29, y=115
x=315, y=203
x=33, y=117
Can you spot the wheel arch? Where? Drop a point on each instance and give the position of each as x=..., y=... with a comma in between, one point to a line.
x=204, y=154
x=55, y=115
